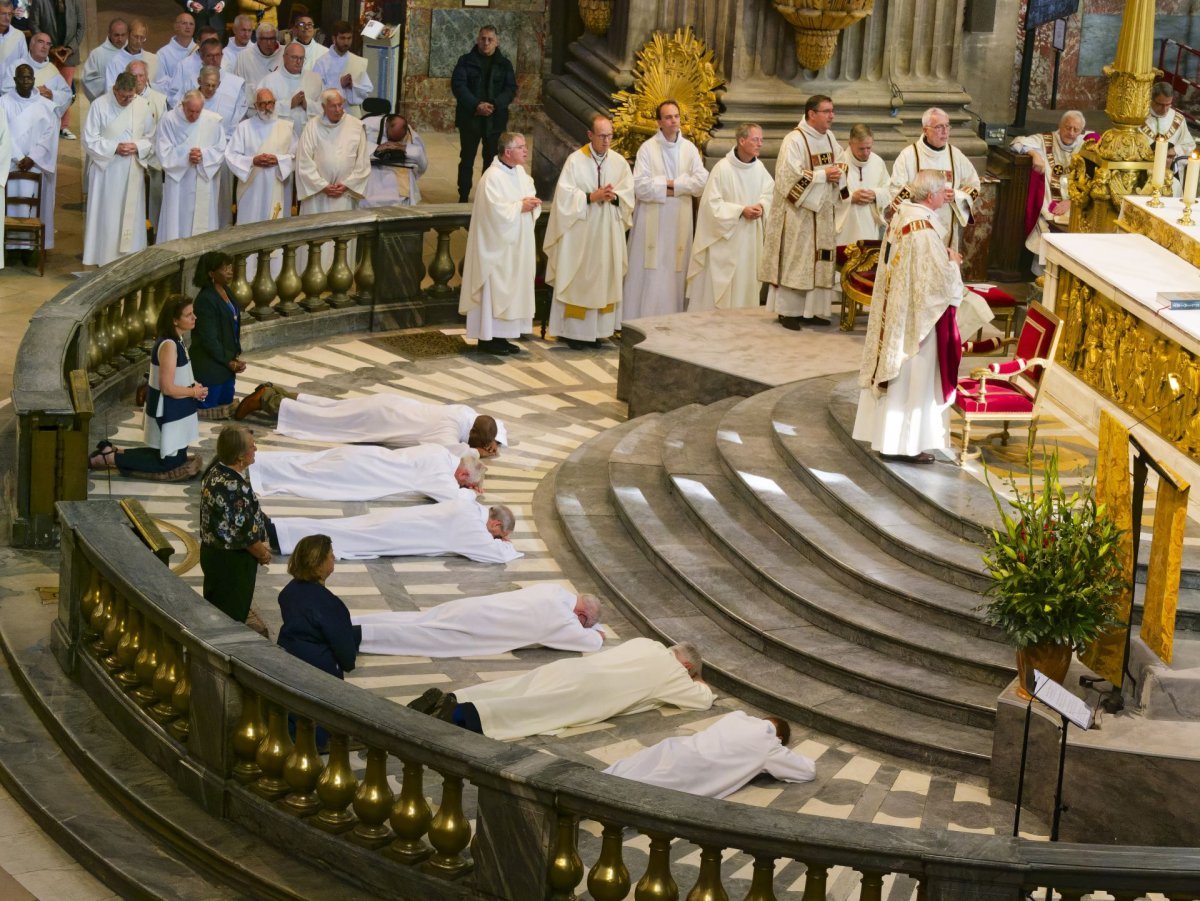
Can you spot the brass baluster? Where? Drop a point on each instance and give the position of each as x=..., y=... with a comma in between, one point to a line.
x=272, y=754
x=135, y=325
x=112, y=315
x=441, y=267
x=95, y=353
x=449, y=831
x=313, y=280
x=88, y=602
x=166, y=678
x=128, y=649
x=373, y=802
x=608, y=879
x=155, y=295
x=657, y=882
x=336, y=788
x=287, y=285
x=119, y=332
x=302, y=769
x=566, y=866
x=101, y=614
x=239, y=288
x=145, y=665
x=247, y=736
x=181, y=703
x=815, y=877
x=263, y=288
x=364, y=275
x=410, y=817
x=100, y=324
x=114, y=631
x=761, y=884
x=872, y=886
x=340, y=276
x=708, y=883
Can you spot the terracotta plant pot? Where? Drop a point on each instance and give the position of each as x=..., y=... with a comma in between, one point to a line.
x=1052, y=659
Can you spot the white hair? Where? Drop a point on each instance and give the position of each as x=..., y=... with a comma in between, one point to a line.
x=927, y=116
x=328, y=94
x=689, y=654
x=504, y=516
x=475, y=469
x=266, y=28
x=1073, y=114
x=927, y=182
x=244, y=20
x=193, y=94
x=589, y=605
x=208, y=70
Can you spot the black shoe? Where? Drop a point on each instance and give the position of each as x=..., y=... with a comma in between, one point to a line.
x=492, y=346
x=814, y=320
x=790, y=322
x=599, y=342
x=445, y=709
x=507, y=347
x=429, y=702
x=576, y=344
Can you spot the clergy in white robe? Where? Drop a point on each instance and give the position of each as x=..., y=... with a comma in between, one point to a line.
x=302, y=34
x=717, y=761
x=297, y=92
x=345, y=72
x=239, y=38
x=158, y=108
x=1163, y=120
x=331, y=159
x=1052, y=154
x=261, y=155
x=191, y=147
x=865, y=194
x=800, y=248
x=96, y=64
x=187, y=76
x=933, y=151
x=730, y=226
x=118, y=136
x=174, y=52
x=365, y=472
x=586, y=254
x=387, y=419
x=46, y=80
x=640, y=674
x=119, y=62
x=12, y=39
x=499, y=267
x=393, y=184
x=547, y=614
x=260, y=60
x=33, y=135
x=463, y=527
x=911, y=355
x=667, y=174
x=224, y=94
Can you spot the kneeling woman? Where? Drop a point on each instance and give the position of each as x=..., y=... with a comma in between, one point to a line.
x=316, y=624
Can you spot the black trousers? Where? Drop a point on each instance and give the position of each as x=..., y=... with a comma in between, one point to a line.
x=469, y=141
x=228, y=580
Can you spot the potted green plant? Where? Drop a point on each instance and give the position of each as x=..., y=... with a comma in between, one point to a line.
x=1057, y=571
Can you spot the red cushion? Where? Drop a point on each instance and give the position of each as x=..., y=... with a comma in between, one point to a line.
x=863, y=281
x=1001, y=398
x=993, y=296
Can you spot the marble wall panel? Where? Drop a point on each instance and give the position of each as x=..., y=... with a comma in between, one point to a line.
x=453, y=33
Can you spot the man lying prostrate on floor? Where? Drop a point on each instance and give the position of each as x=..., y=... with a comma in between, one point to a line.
x=366, y=472
x=640, y=674
x=720, y=759
x=387, y=419
x=462, y=526
x=547, y=615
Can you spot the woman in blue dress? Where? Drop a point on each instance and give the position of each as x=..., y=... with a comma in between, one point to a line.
x=216, y=343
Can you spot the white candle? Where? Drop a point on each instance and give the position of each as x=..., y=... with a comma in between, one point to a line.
x=1191, y=176
x=1160, y=161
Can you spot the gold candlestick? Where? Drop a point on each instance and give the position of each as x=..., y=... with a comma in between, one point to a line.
x=1186, y=218
x=1155, y=200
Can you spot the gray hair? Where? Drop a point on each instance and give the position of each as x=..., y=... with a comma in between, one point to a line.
x=125, y=81
x=193, y=94
x=208, y=70
x=927, y=182
x=1073, y=114
x=743, y=130
x=860, y=131
x=504, y=516
x=244, y=20
x=508, y=139
x=590, y=607
x=1162, y=89
x=689, y=654
x=328, y=94
x=927, y=116
x=475, y=469
x=141, y=64
x=266, y=28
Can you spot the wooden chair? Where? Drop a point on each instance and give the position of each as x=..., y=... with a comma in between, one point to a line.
x=30, y=224
x=858, y=279
x=1010, y=391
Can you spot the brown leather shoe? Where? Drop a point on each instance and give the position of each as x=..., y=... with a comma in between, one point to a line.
x=252, y=402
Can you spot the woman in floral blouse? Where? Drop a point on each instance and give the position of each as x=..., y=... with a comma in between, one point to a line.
x=234, y=532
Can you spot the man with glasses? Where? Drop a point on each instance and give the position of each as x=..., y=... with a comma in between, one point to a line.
x=586, y=256
x=484, y=84
x=304, y=31
x=1167, y=122
x=134, y=51
x=934, y=151
x=255, y=63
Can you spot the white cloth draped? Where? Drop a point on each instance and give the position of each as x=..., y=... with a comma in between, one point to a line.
x=262, y=193
x=640, y=674
x=285, y=86
x=116, y=209
x=430, y=530
x=229, y=102
x=33, y=132
x=191, y=193
x=252, y=67
x=717, y=761
x=1174, y=127
x=187, y=76
x=358, y=472
x=492, y=624
x=728, y=248
x=387, y=419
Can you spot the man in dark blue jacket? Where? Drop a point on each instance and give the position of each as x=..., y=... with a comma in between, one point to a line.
x=484, y=84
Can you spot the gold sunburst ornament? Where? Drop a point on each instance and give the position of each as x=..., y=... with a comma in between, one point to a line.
x=678, y=67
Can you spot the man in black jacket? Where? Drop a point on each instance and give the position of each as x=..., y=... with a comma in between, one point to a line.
x=484, y=84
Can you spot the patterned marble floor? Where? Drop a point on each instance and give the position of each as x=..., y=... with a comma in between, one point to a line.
x=552, y=399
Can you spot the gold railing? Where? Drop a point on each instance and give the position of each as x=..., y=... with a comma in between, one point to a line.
x=190, y=687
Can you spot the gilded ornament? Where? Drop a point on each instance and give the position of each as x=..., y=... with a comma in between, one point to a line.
x=596, y=15
x=817, y=24
x=678, y=68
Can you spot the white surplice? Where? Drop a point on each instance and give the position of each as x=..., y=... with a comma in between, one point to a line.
x=94, y=69
x=285, y=86
x=170, y=56
x=262, y=192
x=333, y=65
x=429, y=530
x=13, y=46
x=586, y=254
x=45, y=74
x=959, y=173
x=252, y=67
x=660, y=242
x=501, y=258
x=358, y=472
x=640, y=674
x=328, y=154
x=387, y=419
x=116, y=208
x=228, y=101
x=191, y=193
x=727, y=250
x=862, y=221
x=717, y=761
x=158, y=108
x=492, y=624
x=33, y=132
x=119, y=62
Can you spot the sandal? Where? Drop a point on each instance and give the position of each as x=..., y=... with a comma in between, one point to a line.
x=103, y=457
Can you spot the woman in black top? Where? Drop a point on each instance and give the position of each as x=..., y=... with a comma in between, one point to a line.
x=316, y=624
x=216, y=343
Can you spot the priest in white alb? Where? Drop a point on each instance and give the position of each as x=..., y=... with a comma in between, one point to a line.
x=209, y=52
x=717, y=761
x=133, y=51
x=547, y=614
x=297, y=92
x=638, y=675
x=158, y=108
x=173, y=52
x=586, y=254
x=118, y=136
x=33, y=133
x=910, y=359
x=191, y=148
x=12, y=39
x=239, y=38
x=260, y=59
x=1052, y=153
x=261, y=155
x=499, y=267
x=302, y=34
x=397, y=160
x=344, y=71
x=728, y=248
x=46, y=80
x=96, y=64
x=366, y=472
x=462, y=526
x=668, y=173
x=865, y=195
x=331, y=159
x=1164, y=121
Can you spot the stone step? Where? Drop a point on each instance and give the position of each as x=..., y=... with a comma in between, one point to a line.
x=749, y=457
x=658, y=609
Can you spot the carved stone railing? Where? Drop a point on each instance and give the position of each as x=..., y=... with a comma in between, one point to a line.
x=104, y=323
x=208, y=701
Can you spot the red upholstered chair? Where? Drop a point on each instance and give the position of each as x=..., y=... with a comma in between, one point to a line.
x=857, y=278
x=1002, y=304
x=1010, y=391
